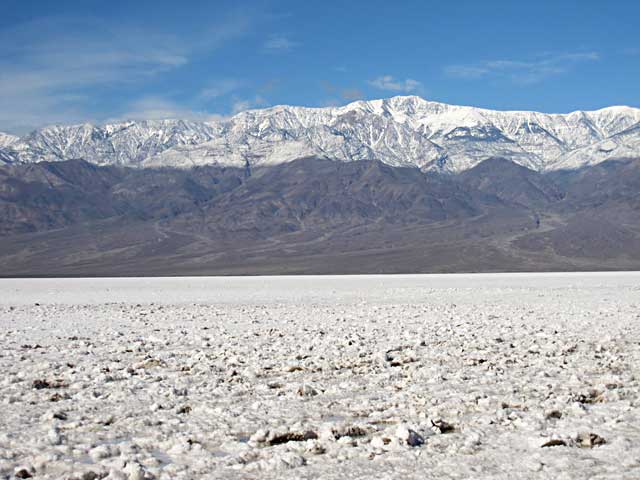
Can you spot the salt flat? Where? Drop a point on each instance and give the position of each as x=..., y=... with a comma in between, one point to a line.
x=425, y=376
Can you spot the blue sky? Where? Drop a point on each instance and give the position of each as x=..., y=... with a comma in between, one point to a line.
x=96, y=61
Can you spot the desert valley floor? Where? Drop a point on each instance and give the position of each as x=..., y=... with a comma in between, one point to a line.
x=427, y=376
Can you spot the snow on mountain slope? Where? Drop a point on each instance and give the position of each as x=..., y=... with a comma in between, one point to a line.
x=398, y=131
x=282, y=134
x=126, y=143
x=6, y=157
x=7, y=139
x=625, y=144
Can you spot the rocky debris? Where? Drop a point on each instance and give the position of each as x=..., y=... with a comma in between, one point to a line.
x=440, y=426
x=40, y=384
x=278, y=438
x=409, y=437
x=293, y=368
x=292, y=437
x=307, y=391
x=592, y=396
x=589, y=440
x=553, y=414
x=554, y=442
x=59, y=415
x=90, y=475
x=346, y=430
x=24, y=472
x=381, y=442
x=314, y=447
x=400, y=356
x=582, y=440
x=56, y=397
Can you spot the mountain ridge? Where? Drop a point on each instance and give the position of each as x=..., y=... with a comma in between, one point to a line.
x=315, y=215
x=399, y=131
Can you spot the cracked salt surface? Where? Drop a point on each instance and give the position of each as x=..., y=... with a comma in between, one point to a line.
x=464, y=376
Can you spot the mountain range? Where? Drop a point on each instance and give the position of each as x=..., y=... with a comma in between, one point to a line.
x=400, y=185
x=315, y=215
x=398, y=131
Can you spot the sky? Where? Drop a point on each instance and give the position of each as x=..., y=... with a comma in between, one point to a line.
x=94, y=61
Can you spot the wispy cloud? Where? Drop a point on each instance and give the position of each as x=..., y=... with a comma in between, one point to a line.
x=240, y=105
x=270, y=85
x=522, y=71
x=160, y=108
x=467, y=71
x=334, y=91
x=220, y=88
x=388, y=82
x=52, y=70
x=279, y=44
x=351, y=94
x=328, y=87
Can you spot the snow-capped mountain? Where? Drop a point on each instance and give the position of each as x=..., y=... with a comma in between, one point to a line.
x=397, y=131
x=7, y=140
x=128, y=143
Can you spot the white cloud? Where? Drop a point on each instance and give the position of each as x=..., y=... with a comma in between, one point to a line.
x=162, y=108
x=331, y=102
x=351, y=94
x=466, y=71
x=279, y=43
x=388, y=82
x=523, y=72
x=159, y=108
x=220, y=88
x=247, y=104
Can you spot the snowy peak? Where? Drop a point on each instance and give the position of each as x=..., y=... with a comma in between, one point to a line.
x=6, y=140
x=127, y=143
x=404, y=130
